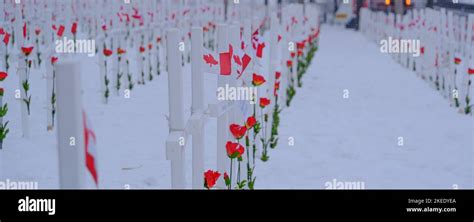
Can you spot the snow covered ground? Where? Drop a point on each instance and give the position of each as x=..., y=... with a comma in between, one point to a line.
x=354, y=139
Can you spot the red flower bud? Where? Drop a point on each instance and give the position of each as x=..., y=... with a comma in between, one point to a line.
x=74, y=28
x=277, y=75
x=142, y=49
x=289, y=63
x=121, y=51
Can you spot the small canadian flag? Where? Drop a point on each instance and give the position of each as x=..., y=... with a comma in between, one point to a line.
x=90, y=148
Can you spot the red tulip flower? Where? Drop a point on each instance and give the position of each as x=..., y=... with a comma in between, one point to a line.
x=251, y=121
x=292, y=55
x=27, y=50
x=210, y=178
x=300, y=52
x=54, y=60
x=234, y=150
x=238, y=131
x=107, y=52
x=158, y=39
x=142, y=49
x=3, y=76
x=150, y=46
x=37, y=31
x=264, y=102
x=289, y=63
x=257, y=80
x=104, y=27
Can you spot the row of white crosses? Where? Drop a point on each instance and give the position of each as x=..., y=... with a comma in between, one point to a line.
x=446, y=47
x=226, y=112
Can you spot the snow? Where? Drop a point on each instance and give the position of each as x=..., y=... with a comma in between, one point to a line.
x=354, y=139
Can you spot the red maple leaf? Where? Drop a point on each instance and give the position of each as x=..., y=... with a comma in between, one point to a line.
x=237, y=60
x=209, y=59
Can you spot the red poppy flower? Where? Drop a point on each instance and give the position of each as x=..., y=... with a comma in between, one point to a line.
x=27, y=50
x=54, y=60
x=210, y=178
x=257, y=80
x=121, y=51
x=74, y=28
x=2, y=31
x=289, y=63
x=107, y=52
x=277, y=75
x=234, y=150
x=300, y=52
x=150, y=46
x=158, y=39
x=457, y=61
x=292, y=55
x=470, y=71
x=251, y=121
x=104, y=27
x=142, y=49
x=264, y=102
x=237, y=131
x=37, y=31
x=3, y=76
x=300, y=45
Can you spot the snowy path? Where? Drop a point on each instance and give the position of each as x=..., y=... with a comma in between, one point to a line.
x=356, y=139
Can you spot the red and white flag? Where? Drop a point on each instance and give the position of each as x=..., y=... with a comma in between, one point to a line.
x=218, y=64
x=90, y=148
